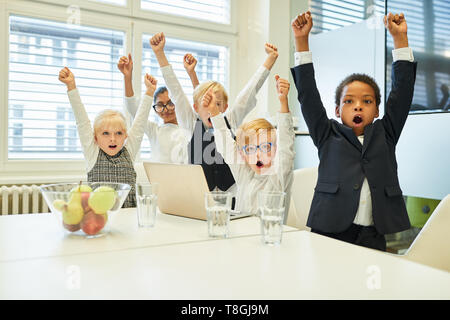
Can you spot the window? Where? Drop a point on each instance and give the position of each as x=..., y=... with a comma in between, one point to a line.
x=428, y=35
x=211, y=65
x=333, y=14
x=212, y=10
x=40, y=119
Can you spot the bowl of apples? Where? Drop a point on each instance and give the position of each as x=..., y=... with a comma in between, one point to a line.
x=85, y=208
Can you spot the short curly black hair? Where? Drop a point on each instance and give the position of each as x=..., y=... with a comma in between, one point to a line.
x=357, y=77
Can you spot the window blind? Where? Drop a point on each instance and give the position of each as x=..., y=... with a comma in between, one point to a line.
x=40, y=118
x=212, y=64
x=211, y=10
x=333, y=14
x=428, y=34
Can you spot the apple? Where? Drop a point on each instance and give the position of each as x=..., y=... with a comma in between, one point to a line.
x=102, y=199
x=92, y=223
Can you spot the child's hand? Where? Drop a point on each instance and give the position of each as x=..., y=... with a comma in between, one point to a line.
x=150, y=84
x=302, y=25
x=66, y=76
x=189, y=62
x=157, y=42
x=125, y=65
x=209, y=103
x=283, y=90
x=271, y=49
x=397, y=27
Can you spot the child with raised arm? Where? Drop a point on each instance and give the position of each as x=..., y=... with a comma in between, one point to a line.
x=357, y=198
x=109, y=148
x=201, y=149
x=261, y=158
x=168, y=141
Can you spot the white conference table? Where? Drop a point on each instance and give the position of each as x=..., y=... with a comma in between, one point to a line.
x=30, y=236
x=193, y=267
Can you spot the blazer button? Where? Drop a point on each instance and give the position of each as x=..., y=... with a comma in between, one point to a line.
x=365, y=161
x=356, y=186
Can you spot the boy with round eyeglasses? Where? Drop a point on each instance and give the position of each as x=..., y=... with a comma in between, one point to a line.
x=262, y=157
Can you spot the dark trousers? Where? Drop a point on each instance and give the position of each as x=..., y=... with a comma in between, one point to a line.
x=362, y=236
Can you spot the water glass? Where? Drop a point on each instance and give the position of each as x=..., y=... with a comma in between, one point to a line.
x=147, y=203
x=218, y=209
x=271, y=206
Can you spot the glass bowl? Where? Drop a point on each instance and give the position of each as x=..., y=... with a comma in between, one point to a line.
x=85, y=208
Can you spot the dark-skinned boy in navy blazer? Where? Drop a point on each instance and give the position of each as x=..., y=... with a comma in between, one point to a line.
x=357, y=198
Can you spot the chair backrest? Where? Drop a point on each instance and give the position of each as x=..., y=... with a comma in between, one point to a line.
x=432, y=245
x=302, y=193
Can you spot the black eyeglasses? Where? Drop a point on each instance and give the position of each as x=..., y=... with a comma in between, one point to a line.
x=159, y=107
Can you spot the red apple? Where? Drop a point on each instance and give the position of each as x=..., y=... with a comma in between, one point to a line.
x=72, y=227
x=84, y=200
x=92, y=223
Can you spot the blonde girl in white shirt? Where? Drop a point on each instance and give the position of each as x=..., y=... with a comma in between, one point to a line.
x=109, y=148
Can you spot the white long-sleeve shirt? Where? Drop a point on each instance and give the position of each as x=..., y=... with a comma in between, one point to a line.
x=86, y=132
x=364, y=214
x=279, y=176
x=168, y=141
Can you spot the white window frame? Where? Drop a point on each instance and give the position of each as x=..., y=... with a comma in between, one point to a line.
x=46, y=171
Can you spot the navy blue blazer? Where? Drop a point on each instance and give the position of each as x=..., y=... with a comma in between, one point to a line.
x=344, y=162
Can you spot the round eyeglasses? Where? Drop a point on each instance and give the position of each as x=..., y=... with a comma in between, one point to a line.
x=159, y=107
x=251, y=148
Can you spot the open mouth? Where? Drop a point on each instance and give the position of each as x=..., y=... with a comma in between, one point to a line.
x=357, y=119
x=113, y=146
x=259, y=164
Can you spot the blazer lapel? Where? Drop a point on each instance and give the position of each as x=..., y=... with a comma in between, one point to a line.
x=368, y=133
x=351, y=137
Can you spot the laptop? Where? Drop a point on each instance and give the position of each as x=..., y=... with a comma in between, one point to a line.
x=181, y=189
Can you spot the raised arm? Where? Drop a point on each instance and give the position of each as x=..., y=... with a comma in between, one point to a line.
x=84, y=127
x=246, y=99
x=190, y=63
x=225, y=144
x=136, y=131
x=185, y=114
x=285, y=136
x=403, y=77
x=312, y=108
x=125, y=65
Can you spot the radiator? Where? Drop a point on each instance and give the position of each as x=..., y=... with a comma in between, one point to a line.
x=21, y=199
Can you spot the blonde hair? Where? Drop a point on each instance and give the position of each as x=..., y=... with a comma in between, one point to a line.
x=254, y=127
x=108, y=117
x=201, y=89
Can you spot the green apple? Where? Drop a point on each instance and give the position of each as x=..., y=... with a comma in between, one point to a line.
x=102, y=199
